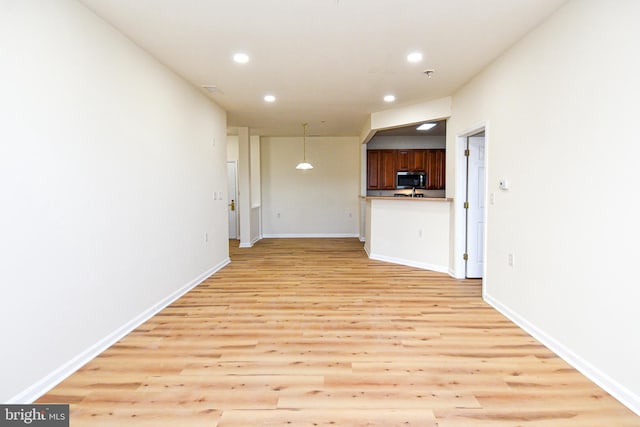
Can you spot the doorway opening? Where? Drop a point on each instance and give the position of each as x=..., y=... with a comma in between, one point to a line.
x=471, y=204
x=475, y=206
x=232, y=191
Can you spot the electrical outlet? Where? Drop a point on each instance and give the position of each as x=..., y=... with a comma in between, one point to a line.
x=206, y=237
x=510, y=260
x=420, y=232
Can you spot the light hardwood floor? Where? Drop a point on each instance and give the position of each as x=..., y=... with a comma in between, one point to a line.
x=310, y=332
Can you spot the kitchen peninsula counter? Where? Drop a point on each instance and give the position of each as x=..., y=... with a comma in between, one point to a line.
x=407, y=198
x=411, y=231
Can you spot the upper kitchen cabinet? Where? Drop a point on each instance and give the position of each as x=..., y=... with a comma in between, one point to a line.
x=414, y=150
x=373, y=169
x=383, y=165
x=411, y=160
x=381, y=169
x=402, y=160
x=435, y=162
x=417, y=160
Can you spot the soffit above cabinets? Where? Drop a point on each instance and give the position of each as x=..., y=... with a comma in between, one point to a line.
x=440, y=129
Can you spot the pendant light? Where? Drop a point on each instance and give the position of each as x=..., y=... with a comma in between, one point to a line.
x=304, y=165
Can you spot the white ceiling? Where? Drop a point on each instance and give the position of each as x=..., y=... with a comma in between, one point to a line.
x=328, y=62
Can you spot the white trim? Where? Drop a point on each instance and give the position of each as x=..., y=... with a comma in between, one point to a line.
x=310, y=235
x=458, y=207
x=234, y=197
x=459, y=241
x=45, y=384
x=251, y=243
x=611, y=386
x=422, y=265
x=453, y=274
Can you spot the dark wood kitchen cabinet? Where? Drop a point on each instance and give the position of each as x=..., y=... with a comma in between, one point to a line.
x=418, y=160
x=411, y=160
x=373, y=169
x=435, y=163
x=402, y=160
x=383, y=165
x=381, y=169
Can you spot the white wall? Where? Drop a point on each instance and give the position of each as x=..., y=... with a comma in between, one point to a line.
x=251, y=175
x=254, y=161
x=233, y=150
x=256, y=190
x=245, y=150
x=562, y=110
x=411, y=114
x=107, y=171
x=409, y=232
x=318, y=202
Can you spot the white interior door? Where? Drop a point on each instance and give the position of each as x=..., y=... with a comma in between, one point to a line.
x=232, y=191
x=475, y=210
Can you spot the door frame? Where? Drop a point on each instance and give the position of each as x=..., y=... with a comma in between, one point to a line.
x=460, y=217
x=476, y=205
x=233, y=197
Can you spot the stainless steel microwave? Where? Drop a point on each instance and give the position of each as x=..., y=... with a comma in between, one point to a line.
x=411, y=180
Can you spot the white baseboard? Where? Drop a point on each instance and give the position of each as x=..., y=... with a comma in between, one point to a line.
x=311, y=236
x=614, y=388
x=453, y=274
x=410, y=263
x=250, y=244
x=42, y=386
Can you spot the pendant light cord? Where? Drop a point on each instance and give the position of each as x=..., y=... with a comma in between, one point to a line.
x=304, y=141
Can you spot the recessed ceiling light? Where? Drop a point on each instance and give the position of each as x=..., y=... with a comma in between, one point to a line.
x=241, y=58
x=414, y=57
x=389, y=98
x=269, y=98
x=425, y=126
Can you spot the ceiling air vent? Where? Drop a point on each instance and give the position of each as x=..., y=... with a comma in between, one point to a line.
x=213, y=89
